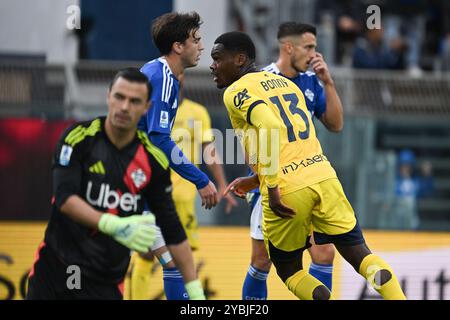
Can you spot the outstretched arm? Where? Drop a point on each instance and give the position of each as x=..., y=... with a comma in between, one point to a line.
x=185, y=168
x=216, y=168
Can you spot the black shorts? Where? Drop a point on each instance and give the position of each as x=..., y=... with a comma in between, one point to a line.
x=352, y=238
x=51, y=279
x=281, y=256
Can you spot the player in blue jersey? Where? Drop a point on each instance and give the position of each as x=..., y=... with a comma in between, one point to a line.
x=177, y=37
x=297, y=54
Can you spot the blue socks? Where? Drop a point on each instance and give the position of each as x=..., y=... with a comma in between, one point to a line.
x=174, y=284
x=255, y=285
x=323, y=273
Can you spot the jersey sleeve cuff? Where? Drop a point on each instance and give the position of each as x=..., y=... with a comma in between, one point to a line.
x=203, y=182
x=252, y=106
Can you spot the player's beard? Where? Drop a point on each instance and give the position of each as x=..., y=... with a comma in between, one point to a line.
x=297, y=64
x=122, y=124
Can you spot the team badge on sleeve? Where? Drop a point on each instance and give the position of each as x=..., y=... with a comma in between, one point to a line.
x=64, y=157
x=309, y=94
x=139, y=177
x=164, y=119
x=240, y=97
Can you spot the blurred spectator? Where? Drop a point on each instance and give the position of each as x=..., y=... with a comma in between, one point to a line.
x=442, y=10
x=409, y=187
x=404, y=20
x=371, y=53
x=426, y=180
x=349, y=20
x=406, y=190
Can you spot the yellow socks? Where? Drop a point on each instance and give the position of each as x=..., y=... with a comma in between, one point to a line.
x=390, y=290
x=137, y=287
x=302, y=284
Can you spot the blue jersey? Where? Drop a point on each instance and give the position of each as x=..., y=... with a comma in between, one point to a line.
x=312, y=89
x=161, y=114
x=160, y=118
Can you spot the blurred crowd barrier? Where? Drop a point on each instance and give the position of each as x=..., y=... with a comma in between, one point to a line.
x=385, y=111
x=35, y=88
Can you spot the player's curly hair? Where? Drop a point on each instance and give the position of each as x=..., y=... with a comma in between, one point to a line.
x=174, y=27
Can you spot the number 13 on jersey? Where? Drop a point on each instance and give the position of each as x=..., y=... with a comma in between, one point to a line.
x=292, y=98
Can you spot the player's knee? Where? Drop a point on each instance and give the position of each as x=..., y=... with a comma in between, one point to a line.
x=260, y=257
x=382, y=276
x=286, y=270
x=321, y=293
x=323, y=254
x=262, y=263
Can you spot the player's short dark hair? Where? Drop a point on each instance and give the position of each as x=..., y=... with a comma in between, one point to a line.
x=294, y=29
x=132, y=75
x=238, y=42
x=173, y=27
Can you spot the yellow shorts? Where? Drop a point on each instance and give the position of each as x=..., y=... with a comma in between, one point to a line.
x=186, y=212
x=322, y=205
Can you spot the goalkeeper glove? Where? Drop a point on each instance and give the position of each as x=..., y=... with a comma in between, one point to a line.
x=194, y=290
x=136, y=232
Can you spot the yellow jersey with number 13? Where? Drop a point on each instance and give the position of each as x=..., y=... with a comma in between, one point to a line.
x=301, y=161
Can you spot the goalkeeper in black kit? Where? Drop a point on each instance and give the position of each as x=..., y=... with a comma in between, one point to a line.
x=106, y=173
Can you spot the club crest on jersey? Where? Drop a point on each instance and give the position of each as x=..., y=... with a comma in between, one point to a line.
x=164, y=119
x=139, y=178
x=240, y=98
x=64, y=156
x=309, y=94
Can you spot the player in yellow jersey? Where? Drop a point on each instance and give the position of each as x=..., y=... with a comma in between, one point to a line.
x=193, y=135
x=297, y=55
x=297, y=182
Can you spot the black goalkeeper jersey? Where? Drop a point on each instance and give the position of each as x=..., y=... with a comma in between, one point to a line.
x=87, y=164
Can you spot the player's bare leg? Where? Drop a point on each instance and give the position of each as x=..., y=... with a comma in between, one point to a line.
x=260, y=258
x=321, y=267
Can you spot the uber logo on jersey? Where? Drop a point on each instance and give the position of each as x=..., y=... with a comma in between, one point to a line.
x=64, y=156
x=164, y=119
x=309, y=94
x=240, y=98
x=111, y=199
